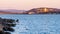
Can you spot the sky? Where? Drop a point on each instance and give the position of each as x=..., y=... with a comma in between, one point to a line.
x=28, y=4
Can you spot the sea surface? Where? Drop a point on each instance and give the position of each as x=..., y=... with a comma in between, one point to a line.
x=35, y=24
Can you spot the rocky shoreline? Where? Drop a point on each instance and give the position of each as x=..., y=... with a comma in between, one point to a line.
x=6, y=25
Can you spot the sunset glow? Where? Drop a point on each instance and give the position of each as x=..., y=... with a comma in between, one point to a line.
x=28, y=4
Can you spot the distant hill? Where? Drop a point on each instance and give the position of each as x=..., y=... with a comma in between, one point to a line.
x=11, y=11
x=43, y=10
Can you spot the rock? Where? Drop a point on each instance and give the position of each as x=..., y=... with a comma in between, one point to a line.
x=11, y=25
x=6, y=25
x=8, y=29
x=1, y=32
x=7, y=33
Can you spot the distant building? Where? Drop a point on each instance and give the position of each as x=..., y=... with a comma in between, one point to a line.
x=40, y=10
x=43, y=10
x=31, y=12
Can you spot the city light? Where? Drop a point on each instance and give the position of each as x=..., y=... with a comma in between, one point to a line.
x=45, y=10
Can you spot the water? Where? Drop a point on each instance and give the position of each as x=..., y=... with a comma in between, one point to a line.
x=35, y=24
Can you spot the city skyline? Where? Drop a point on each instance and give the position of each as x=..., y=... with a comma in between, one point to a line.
x=28, y=4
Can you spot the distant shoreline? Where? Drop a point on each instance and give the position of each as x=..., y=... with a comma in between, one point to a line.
x=43, y=10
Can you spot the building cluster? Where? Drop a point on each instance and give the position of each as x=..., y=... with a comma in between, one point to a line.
x=43, y=11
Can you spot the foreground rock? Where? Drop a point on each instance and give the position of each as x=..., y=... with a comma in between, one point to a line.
x=6, y=25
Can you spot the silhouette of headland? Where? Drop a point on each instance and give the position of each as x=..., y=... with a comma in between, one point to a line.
x=43, y=10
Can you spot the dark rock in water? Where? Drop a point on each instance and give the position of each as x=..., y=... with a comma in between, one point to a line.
x=1, y=32
x=6, y=25
x=8, y=20
x=7, y=33
x=8, y=29
x=11, y=25
x=17, y=20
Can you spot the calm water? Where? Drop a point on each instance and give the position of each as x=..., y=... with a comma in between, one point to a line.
x=35, y=24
